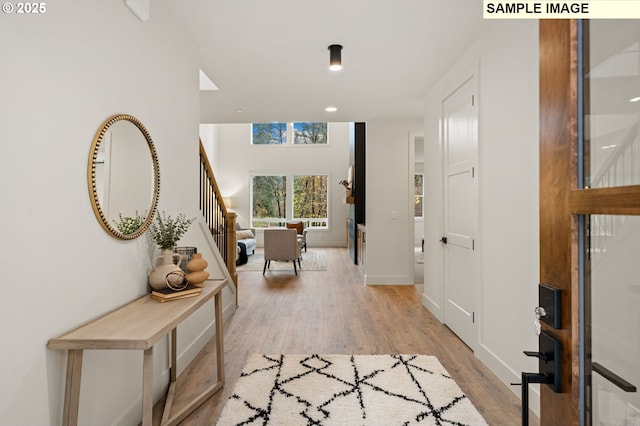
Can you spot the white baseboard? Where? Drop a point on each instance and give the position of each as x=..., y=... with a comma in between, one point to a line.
x=432, y=307
x=387, y=280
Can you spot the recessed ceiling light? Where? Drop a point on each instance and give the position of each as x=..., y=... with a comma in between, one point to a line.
x=331, y=109
x=636, y=99
x=239, y=110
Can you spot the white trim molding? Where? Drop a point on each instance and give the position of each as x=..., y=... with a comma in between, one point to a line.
x=140, y=8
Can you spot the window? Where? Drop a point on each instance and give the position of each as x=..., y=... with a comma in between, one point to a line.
x=268, y=200
x=310, y=200
x=418, y=194
x=270, y=206
x=309, y=133
x=304, y=133
x=269, y=133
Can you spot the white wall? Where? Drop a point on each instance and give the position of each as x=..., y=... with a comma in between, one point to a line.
x=62, y=74
x=389, y=237
x=234, y=160
x=506, y=56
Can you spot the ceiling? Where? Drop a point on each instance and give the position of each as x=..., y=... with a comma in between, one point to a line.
x=269, y=59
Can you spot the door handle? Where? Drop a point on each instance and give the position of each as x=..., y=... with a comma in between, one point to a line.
x=443, y=240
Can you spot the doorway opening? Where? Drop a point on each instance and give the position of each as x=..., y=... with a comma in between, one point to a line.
x=416, y=204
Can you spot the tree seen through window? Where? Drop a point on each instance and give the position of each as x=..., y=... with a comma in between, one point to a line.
x=310, y=199
x=418, y=194
x=271, y=205
x=269, y=199
x=309, y=133
x=269, y=133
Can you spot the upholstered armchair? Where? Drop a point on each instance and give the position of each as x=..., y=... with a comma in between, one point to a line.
x=301, y=233
x=281, y=244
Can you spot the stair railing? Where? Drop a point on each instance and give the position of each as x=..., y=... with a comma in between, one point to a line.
x=220, y=221
x=621, y=168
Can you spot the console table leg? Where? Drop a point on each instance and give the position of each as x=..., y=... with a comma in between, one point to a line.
x=219, y=337
x=147, y=387
x=72, y=388
x=174, y=355
x=173, y=370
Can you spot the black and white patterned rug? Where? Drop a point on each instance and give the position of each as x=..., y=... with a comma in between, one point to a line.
x=347, y=390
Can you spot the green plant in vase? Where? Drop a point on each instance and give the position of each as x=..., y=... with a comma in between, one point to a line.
x=127, y=225
x=166, y=231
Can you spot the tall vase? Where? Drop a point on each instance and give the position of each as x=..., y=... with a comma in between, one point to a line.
x=158, y=277
x=197, y=274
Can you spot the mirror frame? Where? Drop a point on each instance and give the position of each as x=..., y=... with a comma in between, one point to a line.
x=91, y=177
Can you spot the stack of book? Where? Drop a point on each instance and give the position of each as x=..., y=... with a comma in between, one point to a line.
x=167, y=294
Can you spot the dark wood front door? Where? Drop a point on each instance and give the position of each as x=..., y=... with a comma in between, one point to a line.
x=572, y=128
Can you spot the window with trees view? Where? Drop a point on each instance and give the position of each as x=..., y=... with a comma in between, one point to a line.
x=269, y=133
x=308, y=204
x=303, y=133
x=418, y=193
x=310, y=200
x=309, y=133
x=269, y=197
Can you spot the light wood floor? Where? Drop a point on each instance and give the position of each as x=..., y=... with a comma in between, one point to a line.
x=332, y=312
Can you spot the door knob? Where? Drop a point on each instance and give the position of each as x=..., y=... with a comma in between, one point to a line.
x=443, y=240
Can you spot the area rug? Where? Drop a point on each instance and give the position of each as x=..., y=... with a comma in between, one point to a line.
x=313, y=260
x=357, y=390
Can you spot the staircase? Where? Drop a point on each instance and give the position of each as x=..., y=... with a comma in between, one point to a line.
x=621, y=168
x=220, y=222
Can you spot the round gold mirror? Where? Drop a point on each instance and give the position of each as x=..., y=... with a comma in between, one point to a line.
x=123, y=176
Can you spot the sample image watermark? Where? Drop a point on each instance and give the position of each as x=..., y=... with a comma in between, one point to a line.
x=24, y=8
x=562, y=9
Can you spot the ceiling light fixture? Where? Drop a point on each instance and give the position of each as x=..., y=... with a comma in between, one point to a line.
x=636, y=99
x=331, y=109
x=335, y=57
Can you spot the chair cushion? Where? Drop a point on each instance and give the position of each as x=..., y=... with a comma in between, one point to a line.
x=244, y=233
x=298, y=226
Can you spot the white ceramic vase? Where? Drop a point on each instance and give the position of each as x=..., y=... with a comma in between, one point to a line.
x=158, y=277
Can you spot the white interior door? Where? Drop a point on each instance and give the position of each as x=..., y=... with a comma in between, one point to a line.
x=460, y=144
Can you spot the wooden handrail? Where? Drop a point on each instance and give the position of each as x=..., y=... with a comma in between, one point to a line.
x=220, y=221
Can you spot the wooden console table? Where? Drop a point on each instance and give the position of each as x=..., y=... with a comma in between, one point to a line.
x=139, y=325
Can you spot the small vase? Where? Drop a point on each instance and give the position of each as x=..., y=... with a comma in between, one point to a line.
x=197, y=274
x=158, y=277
